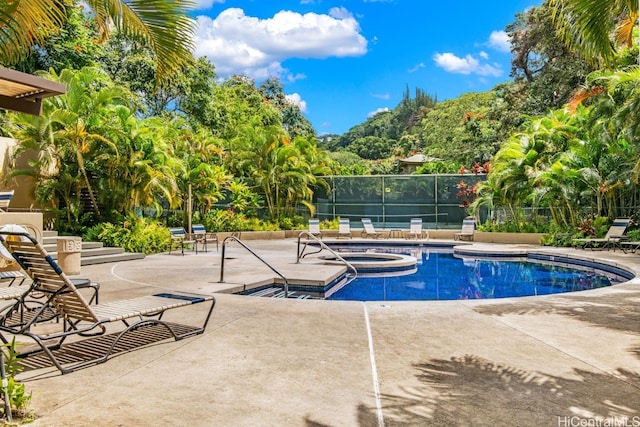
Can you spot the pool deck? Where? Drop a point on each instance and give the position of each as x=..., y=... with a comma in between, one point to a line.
x=556, y=360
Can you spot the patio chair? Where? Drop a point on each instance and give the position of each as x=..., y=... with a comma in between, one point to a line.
x=5, y=199
x=370, y=230
x=180, y=238
x=416, y=231
x=468, y=230
x=314, y=227
x=344, y=228
x=201, y=235
x=140, y=319
x=613, y=238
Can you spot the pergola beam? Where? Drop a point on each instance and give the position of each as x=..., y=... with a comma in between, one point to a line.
x=24, y=92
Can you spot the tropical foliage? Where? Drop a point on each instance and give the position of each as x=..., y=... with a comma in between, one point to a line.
x=561, y=137
x=160, y=24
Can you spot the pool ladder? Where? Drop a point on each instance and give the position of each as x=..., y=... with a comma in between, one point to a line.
x=350, y=275
x=275, y=270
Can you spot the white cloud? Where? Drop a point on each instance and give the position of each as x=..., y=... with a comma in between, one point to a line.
x=484, y=55
x=296, y=99
x=417, y=67
x=467, y=65
x=240, y=44
x=500, y=40
x=206, y=4
x=381, y=95
x=379, y=110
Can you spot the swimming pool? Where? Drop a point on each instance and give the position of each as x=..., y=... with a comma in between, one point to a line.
x=443, y=276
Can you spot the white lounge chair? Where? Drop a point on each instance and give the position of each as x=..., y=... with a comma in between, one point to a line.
x=468, y=229
x=416, y=231
x=314, y=227
x=370, y=230
x=344, y=228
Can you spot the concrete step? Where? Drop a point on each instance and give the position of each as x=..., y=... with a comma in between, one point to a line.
x=92, y=252
x=53, y=247
x=103, y=259
x=103, y=250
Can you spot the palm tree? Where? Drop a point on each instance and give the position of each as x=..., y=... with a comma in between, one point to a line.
x=585, y=26
x=84, y=116
x=161, y=24
x=144, y=173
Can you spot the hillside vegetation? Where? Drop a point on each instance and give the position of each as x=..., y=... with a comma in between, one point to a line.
x=472, y=127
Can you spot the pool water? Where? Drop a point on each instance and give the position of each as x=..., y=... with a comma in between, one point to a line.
x=442, y=276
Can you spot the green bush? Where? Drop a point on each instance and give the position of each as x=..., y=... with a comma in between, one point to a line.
x=291, y=223
x=330, y=224
x=533, y=225
x=134, y=235
x=601, y=224
x=219, y=220
x=634, y=235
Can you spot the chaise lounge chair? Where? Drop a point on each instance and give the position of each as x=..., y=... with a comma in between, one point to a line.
x=140, y=320
x=344, y=228
x=416, y=231
x=612, y=239
x=5, y=199
x=370, y=230
x=314, y=228
x=468, y=229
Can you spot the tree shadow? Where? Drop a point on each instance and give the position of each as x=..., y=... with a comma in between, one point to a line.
x=617, y=311
x=471, y=391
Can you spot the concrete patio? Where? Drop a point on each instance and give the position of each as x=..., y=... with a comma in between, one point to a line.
x=554, y=360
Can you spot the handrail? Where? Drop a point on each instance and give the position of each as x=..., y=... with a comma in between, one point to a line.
x=286, y=283
x=323, y=246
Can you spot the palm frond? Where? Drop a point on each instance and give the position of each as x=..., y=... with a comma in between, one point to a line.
x=584, y=25
x=162, y=24
x=24, y=23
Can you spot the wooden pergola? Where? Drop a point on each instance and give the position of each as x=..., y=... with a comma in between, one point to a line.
x=24, y=92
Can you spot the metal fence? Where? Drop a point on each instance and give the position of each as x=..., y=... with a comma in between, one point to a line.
x=390, y=201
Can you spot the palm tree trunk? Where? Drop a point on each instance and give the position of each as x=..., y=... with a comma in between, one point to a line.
x=94, y=202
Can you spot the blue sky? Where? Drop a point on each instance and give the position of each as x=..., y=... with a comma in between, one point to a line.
x=343, y=61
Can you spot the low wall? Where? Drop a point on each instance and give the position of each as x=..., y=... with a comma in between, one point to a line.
x=33, y=221
x=255, y=235
x=479, y=236
x=499, y=237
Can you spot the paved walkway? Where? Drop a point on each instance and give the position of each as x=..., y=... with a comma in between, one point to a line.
x=557, y=360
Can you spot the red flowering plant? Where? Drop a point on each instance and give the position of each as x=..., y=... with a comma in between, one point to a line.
x=466, y=193
x=586, y=228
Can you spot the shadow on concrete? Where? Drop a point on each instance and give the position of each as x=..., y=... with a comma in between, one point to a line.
x=470, y=390
x=617, y=311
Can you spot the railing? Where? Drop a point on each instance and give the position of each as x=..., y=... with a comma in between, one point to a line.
x=322, y=246
x=234, y=238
